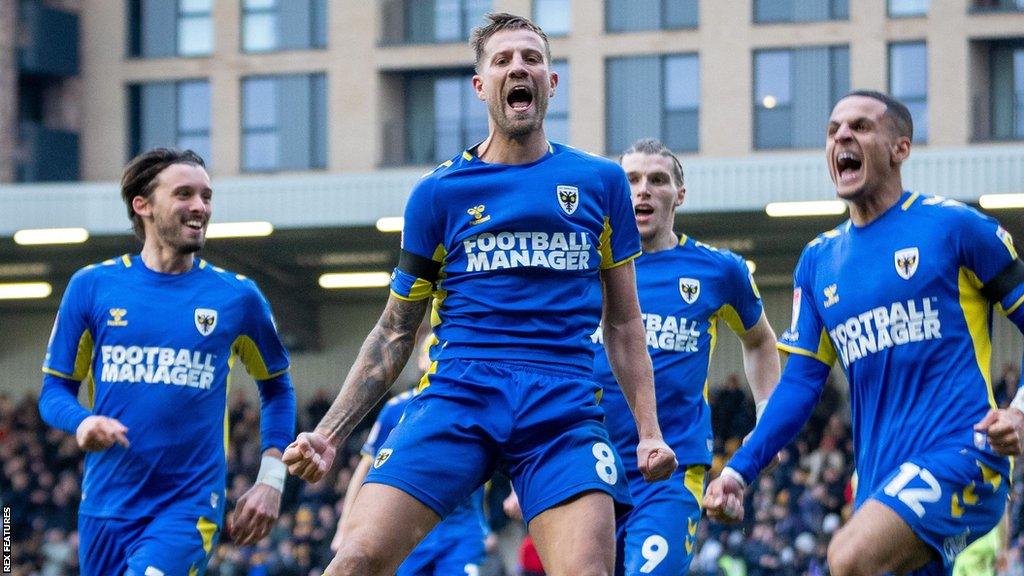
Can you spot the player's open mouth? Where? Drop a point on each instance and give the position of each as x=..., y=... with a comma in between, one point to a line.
x=519, y=98
x=643, y=211
x=195, y=224
x=848, y=167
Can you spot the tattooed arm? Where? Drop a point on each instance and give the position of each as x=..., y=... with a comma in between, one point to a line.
x=380, y=360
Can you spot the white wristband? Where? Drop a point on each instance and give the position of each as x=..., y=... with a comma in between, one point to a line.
x=730, y=473
x=272, y=473
x=1018, y=400
x=759, y=410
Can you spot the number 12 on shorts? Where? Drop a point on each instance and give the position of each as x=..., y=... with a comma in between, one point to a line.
x=913, y=497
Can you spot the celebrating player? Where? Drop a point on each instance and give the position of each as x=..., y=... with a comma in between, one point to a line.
x=521, y=241
x=901, y=294
x=154, y=335
x=685, y=287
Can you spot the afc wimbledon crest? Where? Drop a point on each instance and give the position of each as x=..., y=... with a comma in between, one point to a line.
x=568, y=198
x=906, y=262
x=206, y=320
x=689, y=289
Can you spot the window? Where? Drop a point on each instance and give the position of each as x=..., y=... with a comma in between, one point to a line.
x=999, y=5
x=794, y=91
x=556, y=122
x=442, y=116
x=636, y=15
x=908, y=82
x=769, y=11
x=1006, y=71
x=898, y=8
x=170, y=114
x=653, y=96
x=166, y=28
x=271, y=25
x=284, y=121
x=431, y=21
x=553, y=16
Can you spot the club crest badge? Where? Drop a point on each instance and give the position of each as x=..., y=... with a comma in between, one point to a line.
x=568, y=198
x=689, y=289
x=206, y=320
x=382, y=457
x=906, y=262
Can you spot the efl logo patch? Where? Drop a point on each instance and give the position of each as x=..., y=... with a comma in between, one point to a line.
x=689, y=289
x=206, y=320
x=568, y=198
x=382, y=457
x=906, y=261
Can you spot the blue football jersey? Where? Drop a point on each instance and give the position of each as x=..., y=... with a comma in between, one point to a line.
x=155, y=351
x=467, y=519
x=520, y=248
x=684, y=293
x=898, y=302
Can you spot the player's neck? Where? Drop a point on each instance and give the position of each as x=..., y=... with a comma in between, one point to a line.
x=503, y=149
x=665, y=239
x=868, y=207
x=165, y=259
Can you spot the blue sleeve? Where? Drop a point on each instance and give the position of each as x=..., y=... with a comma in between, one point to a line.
x=620, y=241
x=806, y=335
x=69, y=352
x=259, y=346
x=984, y=247
x=788, y=409
x=277, y=412
x=58, y=403
x=422, y=245
x=744, y=299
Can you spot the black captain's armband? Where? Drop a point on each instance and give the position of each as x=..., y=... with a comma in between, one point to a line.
x=419, y=266
x=1004, y=282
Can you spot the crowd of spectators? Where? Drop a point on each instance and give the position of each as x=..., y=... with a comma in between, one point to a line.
x=791, y=512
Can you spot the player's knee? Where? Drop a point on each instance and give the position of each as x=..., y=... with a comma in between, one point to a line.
x=845, y=558
x=359, y=558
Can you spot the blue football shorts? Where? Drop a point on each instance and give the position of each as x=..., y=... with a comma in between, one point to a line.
x=659, y=535
x=949, y=497
x=166, y=545
x=445, y=552
x=540, y=423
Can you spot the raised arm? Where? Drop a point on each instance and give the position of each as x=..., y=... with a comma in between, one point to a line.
x=383, y=355
x=627, y=354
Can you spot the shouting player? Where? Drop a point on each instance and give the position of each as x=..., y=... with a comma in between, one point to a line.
x=154, y=336
x=521, y=241
x=685, y=287
x=901, y=294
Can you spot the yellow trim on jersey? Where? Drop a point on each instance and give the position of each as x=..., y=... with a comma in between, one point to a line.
x=440, y=253
x=90, y=391
x=694, y=482
x=109, y=262
x=465, y=155
x=623, y=261
x=976, y=314
x=1013, y=307
x=127, y=260
x=603, y=247
x=227, y=392
x=713, y=332
x=206, y=529
x=246, y=349
x=732, y=318
x=910, y=201
x=425, y=379
x=825, y=354
x=202, y=263
x=83, y=360
x=683, y=239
